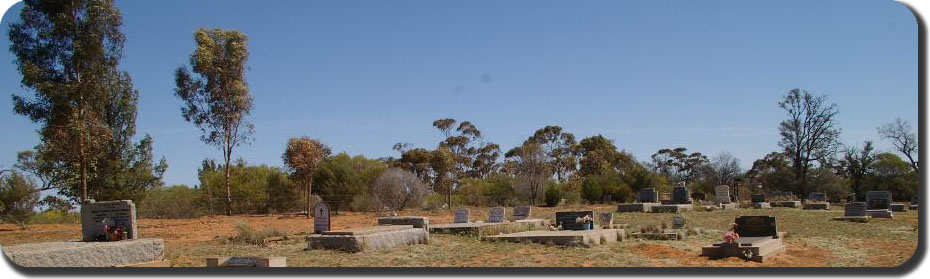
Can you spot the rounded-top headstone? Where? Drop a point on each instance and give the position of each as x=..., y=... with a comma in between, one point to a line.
x=321, y=218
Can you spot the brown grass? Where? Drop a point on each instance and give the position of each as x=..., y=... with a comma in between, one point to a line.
x=813, y=240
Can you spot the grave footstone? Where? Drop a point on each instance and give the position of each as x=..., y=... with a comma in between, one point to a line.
x=461, y=215
x=321, y=218
x=496, y=214
x=522, y=212
x=96, y=217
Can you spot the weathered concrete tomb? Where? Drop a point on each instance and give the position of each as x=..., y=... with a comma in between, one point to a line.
x=758, y=240
x=463, y=226
x=247, y=262
x=564, y=237
x=817, y=201
x=390, y=232
x=136, y=252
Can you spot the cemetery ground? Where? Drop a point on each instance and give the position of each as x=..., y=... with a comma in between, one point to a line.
x=813, y=240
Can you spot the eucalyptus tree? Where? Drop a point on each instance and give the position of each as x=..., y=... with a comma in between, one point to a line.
x=215, y=94
x=68, y=53
x=559, y=147
x=302, y=158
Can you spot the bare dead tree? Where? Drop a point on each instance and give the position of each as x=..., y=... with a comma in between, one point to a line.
x=903, y=139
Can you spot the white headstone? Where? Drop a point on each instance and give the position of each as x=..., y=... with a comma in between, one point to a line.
x=95, y=216
x=722, y=194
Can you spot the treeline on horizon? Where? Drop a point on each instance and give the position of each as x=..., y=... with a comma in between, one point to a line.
x=68, y=54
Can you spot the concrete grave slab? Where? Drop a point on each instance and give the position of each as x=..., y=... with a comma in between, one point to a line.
x=87, y=254
x=564, y=238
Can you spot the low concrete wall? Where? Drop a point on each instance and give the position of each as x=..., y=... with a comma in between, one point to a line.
x=87, y=254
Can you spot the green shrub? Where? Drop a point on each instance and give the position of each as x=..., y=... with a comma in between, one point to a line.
x=591, y=189
x=553, y=195
x=434, y=201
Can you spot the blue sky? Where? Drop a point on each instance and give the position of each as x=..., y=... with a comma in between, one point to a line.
x=363, y=75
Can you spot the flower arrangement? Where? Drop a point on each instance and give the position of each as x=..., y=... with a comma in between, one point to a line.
x=731, y=236
x=583, y=220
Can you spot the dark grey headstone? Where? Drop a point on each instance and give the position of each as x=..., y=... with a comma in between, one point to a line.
x=680, y=195
x=648, y=195
x=461, y=215
x=321, y=218
x=756, y=226
x=817, y=196
x=567, y=219
x=94, y=215
x=497, y=214
x=878, y=200
x=758, y=198
x=855, y=209
x=522, y=212
x=679, y=222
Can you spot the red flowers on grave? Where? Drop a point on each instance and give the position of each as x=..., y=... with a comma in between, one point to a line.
x=731, y=236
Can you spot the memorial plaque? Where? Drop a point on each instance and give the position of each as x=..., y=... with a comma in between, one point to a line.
x=855, y=209
x=756, y=226
x=878, y=200
x=496, y=214
x=321, y=218
x=648, y=195
x=758, y=198
x=522, y=212
x=461, y=215
x=818, y=197
x=95, y=216
x=680, y=195
x=722, y=194
x=567, y=219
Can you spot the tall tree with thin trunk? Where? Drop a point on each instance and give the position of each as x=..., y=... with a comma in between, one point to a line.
x=857, y=164
x=217, y=99
x=68, y=54
x=903, y=139
x=302, y=157
x=810, y=134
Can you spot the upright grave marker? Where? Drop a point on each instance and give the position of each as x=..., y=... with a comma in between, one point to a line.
x=648, y=195
x=461, y=215
x=818, y=197
x=855, y=211
x=321, y=218
x=817, y=200
x=496, y=214
x=722, y=194
x=878, y=204
x=522, y=212
x=97, y=217
x=681, y=195
x=568, y=219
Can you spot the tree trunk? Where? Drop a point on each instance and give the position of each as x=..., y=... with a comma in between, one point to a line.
x=228, y=189
x=309, y=198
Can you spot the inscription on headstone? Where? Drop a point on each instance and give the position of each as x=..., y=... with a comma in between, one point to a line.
x=496, y=214
x=461, y=215
x=722, y=194
x=756, y=226
x=567, y=219
x=680, y=195
x=855, y=209
x=758, y=198
x=321, y=218
x=96, y=216
x=818, y=197
x=648, y=195
x=522, y=212
x=878, y=200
